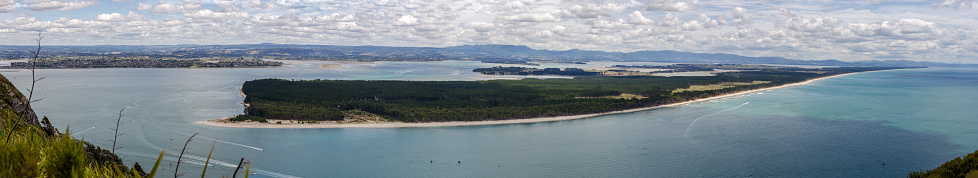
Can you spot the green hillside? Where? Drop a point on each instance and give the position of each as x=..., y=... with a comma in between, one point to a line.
x=36, y=149
x=963, y=167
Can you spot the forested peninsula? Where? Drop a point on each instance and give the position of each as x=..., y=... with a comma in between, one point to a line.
x=447, y=101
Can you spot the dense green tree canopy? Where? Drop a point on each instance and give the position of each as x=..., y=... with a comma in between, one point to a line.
x=432, y=101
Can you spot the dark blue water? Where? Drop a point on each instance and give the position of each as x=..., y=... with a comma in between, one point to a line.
x=878, y=124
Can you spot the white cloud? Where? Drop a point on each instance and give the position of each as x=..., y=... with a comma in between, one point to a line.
x=809, y=30
x=136, y=17
x=167, y=8
x=211, y=15
x=229, y=5
x=595, y=10
x=407, y=20
x=636, y=17
x=273, y=20
x=479, y=26
x=60, y=5
x=803, y=24
x=113, y=17
x=144, y=7
x=672, y=5
x=957, y=4
x=669, y=20
x=7, y=6
x=908, y=29
x=741, y=16
x=531, y=17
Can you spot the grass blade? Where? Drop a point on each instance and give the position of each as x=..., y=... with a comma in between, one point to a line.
x=135, y=174
x=157, y=165
x=206, y=163
x=247, y=167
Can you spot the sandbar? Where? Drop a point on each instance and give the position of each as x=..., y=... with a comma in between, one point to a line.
x=272, y=124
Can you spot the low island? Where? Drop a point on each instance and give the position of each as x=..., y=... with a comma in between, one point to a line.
x=278, y=103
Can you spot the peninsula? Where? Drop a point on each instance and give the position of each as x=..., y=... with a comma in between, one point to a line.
x=276, y=103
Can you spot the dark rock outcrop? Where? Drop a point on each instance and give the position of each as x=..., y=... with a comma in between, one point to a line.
x=15, y=103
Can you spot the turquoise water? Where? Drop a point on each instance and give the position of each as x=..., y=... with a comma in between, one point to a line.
x=878, y=124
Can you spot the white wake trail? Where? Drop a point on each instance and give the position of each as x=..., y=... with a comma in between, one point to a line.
x=686, y=134
x=235, y=144
x=83, y=130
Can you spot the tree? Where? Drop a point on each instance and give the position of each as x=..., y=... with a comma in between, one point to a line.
x=29, y=118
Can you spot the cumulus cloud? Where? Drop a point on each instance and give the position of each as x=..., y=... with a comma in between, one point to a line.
x=113, y=17
x=531, y=17
x=672, y=5
x=167, y=8
x=636, y=17
x=212, y=15
x=7, y=6
x=786, y=12
x=479, y=26
x=144, y=7
x=669, y=20
x=741, y=16
x=274, y=20
x=407, y=20
x=611, y=25
x=956, y=4
x=908, y=29
x=595, y=10
x=803, y=24
x=60, y=5
x=228, y=5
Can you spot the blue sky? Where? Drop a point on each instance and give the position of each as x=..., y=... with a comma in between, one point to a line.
x=919, y=30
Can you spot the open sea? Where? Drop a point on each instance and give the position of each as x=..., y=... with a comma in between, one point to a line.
x=876, y=124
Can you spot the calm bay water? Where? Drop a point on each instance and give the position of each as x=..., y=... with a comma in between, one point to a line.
x=878, y=124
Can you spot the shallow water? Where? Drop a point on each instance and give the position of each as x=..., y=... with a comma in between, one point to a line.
x=878, y=124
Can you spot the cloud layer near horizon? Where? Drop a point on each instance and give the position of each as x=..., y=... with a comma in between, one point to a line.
x=917, y=30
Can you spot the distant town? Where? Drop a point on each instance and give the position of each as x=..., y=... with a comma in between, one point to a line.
x=253, y=55
x=138, y=62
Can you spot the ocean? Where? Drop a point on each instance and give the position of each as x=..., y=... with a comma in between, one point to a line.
x=875, y=124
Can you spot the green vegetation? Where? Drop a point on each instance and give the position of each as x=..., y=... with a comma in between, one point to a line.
x=433, y=101
x=247, y=118
x=718, y=86
x=34, y=152
x=966, y=167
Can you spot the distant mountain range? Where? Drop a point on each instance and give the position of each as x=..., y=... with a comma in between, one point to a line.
x=486, y=53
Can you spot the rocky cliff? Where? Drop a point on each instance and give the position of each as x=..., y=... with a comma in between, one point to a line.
x=12, y=102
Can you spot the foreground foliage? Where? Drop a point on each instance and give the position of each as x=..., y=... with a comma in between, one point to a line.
x=31, y=152
x=433, y=101
x=36, y=149
x=966, y=166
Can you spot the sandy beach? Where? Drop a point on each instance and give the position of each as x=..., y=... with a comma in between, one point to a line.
x=271, y=124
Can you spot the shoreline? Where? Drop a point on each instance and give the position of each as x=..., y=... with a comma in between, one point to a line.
x=270, y=125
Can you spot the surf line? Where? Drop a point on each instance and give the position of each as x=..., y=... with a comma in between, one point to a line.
x=686, y=134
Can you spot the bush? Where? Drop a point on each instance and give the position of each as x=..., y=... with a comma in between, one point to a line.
x=248, y=118
x=966, y=166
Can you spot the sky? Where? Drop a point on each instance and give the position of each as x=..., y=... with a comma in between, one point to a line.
x=918, y=30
